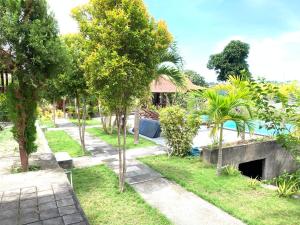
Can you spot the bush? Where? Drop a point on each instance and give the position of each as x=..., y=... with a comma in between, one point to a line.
x=287, y=188
x=3, y=108
x=253, y=183
x=230, y=170
x=179, y=128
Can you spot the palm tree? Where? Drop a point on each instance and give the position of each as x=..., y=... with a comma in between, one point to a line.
x=170, y=65
x=222, y=107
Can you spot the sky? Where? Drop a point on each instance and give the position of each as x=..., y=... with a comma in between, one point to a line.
x=205, y=27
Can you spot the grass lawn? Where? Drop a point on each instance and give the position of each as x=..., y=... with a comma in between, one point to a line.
x=113, y=139
x=48, y=123
x=97, y=190
x=5, y=134
x=60, y=141
x=90, y=122
x=232, y=194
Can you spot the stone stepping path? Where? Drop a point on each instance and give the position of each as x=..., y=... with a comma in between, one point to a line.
x=177, y=204
x=39, y=198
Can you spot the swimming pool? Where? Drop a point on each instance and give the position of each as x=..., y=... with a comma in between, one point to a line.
x=259, y=128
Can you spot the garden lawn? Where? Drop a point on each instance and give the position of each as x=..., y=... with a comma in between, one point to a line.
x=60, y=141
x=113, y=139
x=232, y=194
x=90, y=122
x=48, y=123
x=98, y=193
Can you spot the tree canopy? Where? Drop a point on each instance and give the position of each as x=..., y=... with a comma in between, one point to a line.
x=29, y=40
x=125, y=46
x=196, y=78
x=231, y=61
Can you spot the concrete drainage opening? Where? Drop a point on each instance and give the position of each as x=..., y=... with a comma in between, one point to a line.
x=253, y=169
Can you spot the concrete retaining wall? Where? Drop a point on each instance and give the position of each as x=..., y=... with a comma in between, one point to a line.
x=277, y=159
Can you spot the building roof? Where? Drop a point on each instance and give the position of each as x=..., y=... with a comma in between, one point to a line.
x=164, y=85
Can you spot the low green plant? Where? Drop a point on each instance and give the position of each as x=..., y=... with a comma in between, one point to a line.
x=287, y=188
x=230, y=170
x=179, y=128
x=253, y=183
x=3, y=108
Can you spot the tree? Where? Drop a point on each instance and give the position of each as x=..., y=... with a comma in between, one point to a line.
x=125, y=44
x=196, y=78
x=231, y=61
x=29, y=38
x=74, y=80
x=222, y=108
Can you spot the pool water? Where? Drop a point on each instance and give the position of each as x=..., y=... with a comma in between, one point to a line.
x=259, y=128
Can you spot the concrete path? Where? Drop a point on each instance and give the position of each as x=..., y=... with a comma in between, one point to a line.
x=178, y=205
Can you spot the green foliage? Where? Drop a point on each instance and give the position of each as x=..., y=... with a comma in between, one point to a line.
x=196, y=78
x=3, y=107
x=230, y=170
x=179, y=128
x=286, y=188
x=291, y=143
x=253, y=183
x=125, y=46
x=23, y=114
x=17, y=169
x=288, y=179
x=29, y=39
x=231, y=61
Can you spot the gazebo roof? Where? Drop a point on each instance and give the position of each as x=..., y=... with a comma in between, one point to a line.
x=164, y=85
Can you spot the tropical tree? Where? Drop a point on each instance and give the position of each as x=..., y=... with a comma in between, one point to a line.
x=126, y=45
x=196, y=78
x=231, y=61
x=29, y=40
x=222, y=107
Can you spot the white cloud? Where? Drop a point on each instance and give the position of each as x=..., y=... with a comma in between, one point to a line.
x=275, y=58
x=62, y=11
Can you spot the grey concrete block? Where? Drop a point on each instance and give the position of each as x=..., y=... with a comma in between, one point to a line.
x=35, y=223
x=9, y=205
x=28, y=190
x=4, y=214
x=49, y=213
x=29, y=218
x=66, y=210
x=47, y=206
x=54, y=221
x=10, y=221
x=65, y=202
x=45, y=199
x=29, y=203
x=72, y=218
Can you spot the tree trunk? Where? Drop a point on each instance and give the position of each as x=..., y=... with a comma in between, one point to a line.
x=118, y=118
x=124, y=152
x=23, y=154
x=243, y=134
x=220, y=155
x=83, y=124
x=136, y=125
x=54, y=111
x=64, y=107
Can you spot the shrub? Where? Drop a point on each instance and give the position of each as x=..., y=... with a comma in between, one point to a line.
x=230, y=170
x=179, y=128
x=287, y=188
x=3, y=108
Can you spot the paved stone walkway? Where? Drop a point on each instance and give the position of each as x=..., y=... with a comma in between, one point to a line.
x=177, y=204
x=39, y=198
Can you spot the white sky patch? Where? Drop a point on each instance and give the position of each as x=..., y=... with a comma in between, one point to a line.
x=275, y=58
x=62, y=10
